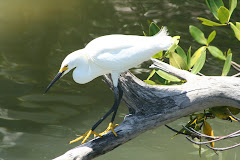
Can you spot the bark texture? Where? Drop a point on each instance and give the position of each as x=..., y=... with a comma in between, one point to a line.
x=153, y=106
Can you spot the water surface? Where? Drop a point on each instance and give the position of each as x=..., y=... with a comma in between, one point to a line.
x=35, y=36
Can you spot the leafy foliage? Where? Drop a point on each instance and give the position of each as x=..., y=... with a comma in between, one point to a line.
x=207, y=129
x=198, y=35
x=177, y=57
x=222, y=14
x=227, y=63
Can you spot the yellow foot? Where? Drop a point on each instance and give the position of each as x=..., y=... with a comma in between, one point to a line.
x=110, y=127
x=86, y=135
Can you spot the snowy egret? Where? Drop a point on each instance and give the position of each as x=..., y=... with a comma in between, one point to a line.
x=112, y=54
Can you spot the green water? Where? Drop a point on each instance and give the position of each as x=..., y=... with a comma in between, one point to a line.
x=35, y=36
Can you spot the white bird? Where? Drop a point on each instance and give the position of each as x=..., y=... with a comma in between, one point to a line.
x=112, y=54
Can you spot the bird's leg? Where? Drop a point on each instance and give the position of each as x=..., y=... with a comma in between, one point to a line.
x=113, y=109
x=115, y=105
x=120, y=94
x=111, y=126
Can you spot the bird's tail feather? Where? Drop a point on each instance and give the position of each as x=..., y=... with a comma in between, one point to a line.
x=163, y=32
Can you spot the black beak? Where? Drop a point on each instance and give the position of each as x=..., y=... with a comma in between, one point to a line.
x=53, y=81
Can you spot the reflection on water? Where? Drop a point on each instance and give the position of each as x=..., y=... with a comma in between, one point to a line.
x=35, y=36
x=8, y=138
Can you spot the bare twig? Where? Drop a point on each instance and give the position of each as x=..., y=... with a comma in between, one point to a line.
x=200, y=74
x=193, y=133
x=232, y=135
x=235, y=75
x=215, y=140
x=174, y=130
x=198, y=133
x=235, y=66
x=225, y=148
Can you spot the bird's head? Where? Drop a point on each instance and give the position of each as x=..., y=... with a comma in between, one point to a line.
x=68, y=64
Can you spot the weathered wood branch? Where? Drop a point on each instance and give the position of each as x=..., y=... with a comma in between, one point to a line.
x=153, y=106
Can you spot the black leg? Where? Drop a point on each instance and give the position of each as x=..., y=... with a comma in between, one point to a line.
x=120, y=94
x=113, y=109
x=110, y=127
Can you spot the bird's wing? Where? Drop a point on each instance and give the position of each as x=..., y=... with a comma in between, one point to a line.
x=111, y=43
x=113, y=52
x=122, y=52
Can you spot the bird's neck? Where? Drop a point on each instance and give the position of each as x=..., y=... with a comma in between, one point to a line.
x=86, y=69
x=81, y=62
x=80, y=59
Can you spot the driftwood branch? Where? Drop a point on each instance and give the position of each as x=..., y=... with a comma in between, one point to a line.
x=153, y=106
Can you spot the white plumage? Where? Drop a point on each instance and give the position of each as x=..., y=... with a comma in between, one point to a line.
x=112, y=54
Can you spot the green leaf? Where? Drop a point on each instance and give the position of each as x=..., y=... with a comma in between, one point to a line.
x=189, y=57
x=200, y=62
x=209, y=23
x=153, y=29
x=167, y=76
x=222, y=113
x=196, y=55
x=161, y=80
x=200, y=148
x=213, y=7
x=227, y=64
x=150, y=82
x=216, y=52
x=236, y=30
x=208, y=131
x=238, y=25
x=192, y=123
x=232, y=6
x=198, y=35
x=211, y=37
x=177, y=61
x=219, y=3
x=223, y=14
x=181, y=52
x=151, y=74
x=158, y=55
x=175, y=40
x=144, y=33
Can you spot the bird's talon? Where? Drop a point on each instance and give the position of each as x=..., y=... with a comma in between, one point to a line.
x=114, y=133
x=110, y=127
x=86, y=135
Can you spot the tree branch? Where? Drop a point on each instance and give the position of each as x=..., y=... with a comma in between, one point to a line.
x=152, y=106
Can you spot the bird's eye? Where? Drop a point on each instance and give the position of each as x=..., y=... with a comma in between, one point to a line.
x=64, y=68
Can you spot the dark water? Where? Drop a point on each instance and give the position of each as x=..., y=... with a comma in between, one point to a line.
x=35, y=36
